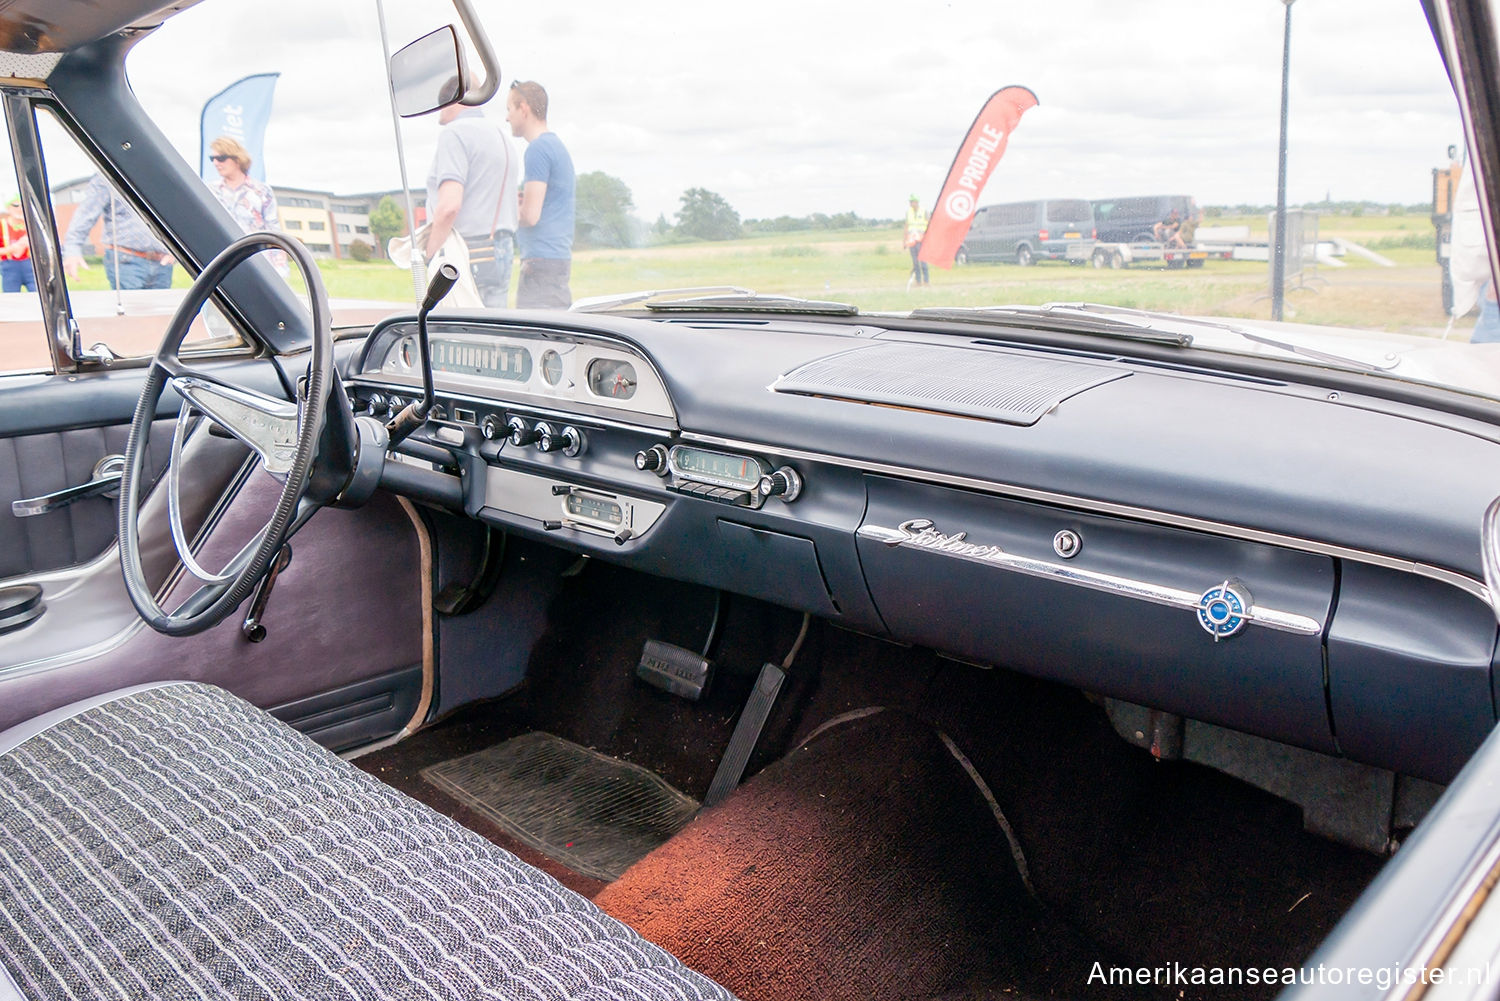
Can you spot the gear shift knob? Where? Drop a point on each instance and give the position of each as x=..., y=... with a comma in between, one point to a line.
x=442, y=283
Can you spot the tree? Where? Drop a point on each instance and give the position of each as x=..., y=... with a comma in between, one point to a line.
x=387, y=221
x=359, y=250
x=602, y=207
x=707, y=216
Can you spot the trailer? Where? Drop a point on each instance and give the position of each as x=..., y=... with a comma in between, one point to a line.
x=1121, y=255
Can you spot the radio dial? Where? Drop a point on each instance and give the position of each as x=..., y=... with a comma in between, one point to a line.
x=783, y=483
x=652, y=460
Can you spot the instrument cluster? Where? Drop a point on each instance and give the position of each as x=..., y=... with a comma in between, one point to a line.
x=514, y=365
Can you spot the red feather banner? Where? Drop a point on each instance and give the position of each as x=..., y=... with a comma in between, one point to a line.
x=981, y=149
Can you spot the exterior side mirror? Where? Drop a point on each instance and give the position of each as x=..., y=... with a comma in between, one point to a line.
x=429, y=73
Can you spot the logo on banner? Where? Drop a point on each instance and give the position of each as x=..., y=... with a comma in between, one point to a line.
x=959, y=206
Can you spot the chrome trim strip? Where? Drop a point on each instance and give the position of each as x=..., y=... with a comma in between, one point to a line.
x=1471, y=892
x=46, y=253
x=1094, y=506
x=1489, y=547
x=919, y=533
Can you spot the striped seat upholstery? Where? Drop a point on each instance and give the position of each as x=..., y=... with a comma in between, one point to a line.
x=176, y=842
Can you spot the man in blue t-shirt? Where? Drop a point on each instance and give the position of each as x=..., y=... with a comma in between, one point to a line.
x=545, y=233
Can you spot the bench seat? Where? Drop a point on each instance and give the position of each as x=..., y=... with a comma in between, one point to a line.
x=173, y=841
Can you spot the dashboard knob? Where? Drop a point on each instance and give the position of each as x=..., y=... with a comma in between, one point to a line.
x=520, y=434
x=783, y=483
x=548, y=440
x=572, y=441
x=377, y=405
x=491, y=427
x=652, y=460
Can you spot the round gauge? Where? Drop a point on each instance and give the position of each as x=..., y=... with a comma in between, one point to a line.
x=552, y=367
x=612, y=378
x=407, y=352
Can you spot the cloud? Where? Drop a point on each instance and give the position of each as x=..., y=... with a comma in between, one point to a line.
x=794, y=107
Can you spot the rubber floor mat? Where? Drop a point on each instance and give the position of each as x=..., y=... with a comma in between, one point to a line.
x=595, y=814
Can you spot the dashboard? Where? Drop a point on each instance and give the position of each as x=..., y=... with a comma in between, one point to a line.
x=1258, y=553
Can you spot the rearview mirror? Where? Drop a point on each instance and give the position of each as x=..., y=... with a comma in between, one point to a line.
x=429, y=73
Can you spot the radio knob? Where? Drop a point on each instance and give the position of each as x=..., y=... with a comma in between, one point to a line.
x=783, y=483
x=652, y=460
x=491, y=427
x=521, y=435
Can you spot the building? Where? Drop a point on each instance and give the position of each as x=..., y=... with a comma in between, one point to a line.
x=325, y=222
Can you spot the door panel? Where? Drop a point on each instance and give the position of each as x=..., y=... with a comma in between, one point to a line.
x=37, y=464
x=347, y=620
x=53, y=429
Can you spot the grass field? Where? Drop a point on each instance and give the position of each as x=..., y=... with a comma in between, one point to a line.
x=869, y=268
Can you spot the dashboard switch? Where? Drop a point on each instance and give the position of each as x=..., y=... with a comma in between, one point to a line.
x=783, y=483
x=521, y=435
x=652, y=460
x=491, y=428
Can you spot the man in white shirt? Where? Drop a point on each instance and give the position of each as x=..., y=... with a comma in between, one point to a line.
x=472, y=189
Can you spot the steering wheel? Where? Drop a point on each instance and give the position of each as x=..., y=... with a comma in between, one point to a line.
x=285, y=435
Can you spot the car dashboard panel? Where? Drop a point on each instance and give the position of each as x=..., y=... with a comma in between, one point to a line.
x=1246, y=552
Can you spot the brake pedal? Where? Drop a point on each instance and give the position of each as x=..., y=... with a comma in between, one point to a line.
x=674, y=669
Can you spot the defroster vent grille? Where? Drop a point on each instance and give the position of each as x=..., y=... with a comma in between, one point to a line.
x=969, y=382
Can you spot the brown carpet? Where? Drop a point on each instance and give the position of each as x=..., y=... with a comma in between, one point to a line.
x=866, y=864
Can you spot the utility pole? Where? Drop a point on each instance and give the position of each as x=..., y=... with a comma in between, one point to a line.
x=1278, y=244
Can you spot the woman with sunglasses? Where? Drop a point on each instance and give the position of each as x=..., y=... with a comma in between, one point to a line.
x=252, y=203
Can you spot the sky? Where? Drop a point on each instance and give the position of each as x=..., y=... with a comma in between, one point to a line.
x=792, y=107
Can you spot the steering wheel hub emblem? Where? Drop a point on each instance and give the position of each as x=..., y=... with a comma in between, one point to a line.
x=1224, y=610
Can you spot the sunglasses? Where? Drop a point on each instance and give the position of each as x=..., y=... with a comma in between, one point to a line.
x=220, y=157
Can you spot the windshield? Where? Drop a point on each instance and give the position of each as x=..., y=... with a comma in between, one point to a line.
x=818, y=151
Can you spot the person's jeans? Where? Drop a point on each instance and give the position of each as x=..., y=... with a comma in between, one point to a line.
x=16, y=276
x=918, y=268
x=136, y=272
x=1487, y=329
x=492, y=274
x=544, y=283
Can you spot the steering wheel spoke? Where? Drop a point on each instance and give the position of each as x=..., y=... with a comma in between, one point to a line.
x=266, y=424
